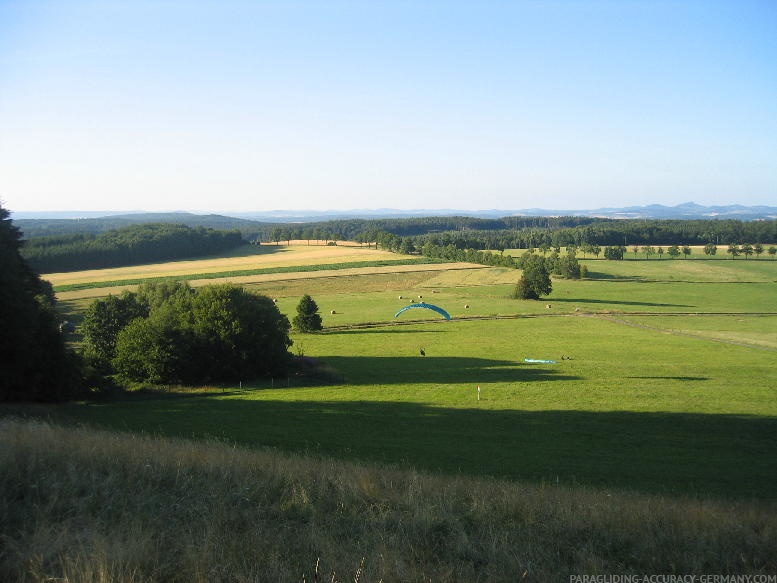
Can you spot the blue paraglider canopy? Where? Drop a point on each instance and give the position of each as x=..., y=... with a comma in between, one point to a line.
x=437, y=309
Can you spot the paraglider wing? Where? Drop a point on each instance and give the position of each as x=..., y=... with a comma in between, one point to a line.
x=437, y=309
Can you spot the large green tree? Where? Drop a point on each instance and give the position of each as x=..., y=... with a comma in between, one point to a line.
x=237, y=334
x=35, y=364
x=103, y=320
x=154, y=350
x=535, y=281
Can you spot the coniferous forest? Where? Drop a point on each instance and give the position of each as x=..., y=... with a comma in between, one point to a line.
x=132, y=245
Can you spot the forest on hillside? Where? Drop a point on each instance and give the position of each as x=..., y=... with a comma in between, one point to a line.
x=144, y=243
x=132, y=245
x=528, y=232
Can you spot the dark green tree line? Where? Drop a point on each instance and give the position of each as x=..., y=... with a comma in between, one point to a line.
x=35, y=364
x=128, y=246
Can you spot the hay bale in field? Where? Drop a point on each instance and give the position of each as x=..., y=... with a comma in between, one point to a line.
x=466, y=306
x=332, y=312
x=548, y=306
x=400, y=297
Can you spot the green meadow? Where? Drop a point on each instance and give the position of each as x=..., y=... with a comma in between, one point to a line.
x=664, y=381
x=648, y=445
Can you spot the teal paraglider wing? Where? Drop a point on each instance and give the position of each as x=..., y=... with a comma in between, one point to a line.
x=437, y=309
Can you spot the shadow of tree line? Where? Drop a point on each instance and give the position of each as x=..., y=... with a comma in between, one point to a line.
x=667, y=453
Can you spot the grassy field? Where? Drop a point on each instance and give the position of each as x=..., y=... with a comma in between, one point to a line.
x=665, y=380
x=649, y=446
x=635, y=408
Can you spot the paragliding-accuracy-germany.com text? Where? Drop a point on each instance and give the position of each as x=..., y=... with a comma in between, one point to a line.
x=673, y=579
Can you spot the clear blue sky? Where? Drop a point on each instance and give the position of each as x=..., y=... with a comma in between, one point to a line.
x=228, y=106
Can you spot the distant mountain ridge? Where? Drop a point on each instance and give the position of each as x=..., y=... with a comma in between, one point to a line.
x=687, y=211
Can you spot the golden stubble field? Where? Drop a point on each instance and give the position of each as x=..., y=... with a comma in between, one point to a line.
x=248, y=257
x=298, y=253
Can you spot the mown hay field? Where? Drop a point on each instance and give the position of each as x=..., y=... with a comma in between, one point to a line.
x=247, y=257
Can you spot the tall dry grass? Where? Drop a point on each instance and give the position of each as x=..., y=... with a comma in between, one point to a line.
x=82, y=505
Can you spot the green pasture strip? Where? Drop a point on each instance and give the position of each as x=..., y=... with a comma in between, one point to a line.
x=754, y=330
x=570, y=297
x=244, y=272
x=623, y=407
x=681, y=270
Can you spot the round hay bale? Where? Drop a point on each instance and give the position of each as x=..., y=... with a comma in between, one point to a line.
x=547, y=307
x=400, y=297
x=332, y=312
x=420, y=297
x=466, y=306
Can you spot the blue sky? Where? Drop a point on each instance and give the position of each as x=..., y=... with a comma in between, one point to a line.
x=225, y=106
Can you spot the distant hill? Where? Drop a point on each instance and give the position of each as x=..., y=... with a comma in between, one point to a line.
x=688, y=210
x=252, y=224
x=45, y=227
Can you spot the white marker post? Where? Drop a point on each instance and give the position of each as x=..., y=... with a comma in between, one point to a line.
x=478, y=392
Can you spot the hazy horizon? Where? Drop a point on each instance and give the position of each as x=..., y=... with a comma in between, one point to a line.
x=237, y=106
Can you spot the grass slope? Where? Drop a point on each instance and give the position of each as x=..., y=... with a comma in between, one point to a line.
x=88, y=506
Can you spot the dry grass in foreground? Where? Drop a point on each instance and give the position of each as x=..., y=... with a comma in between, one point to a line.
x=81, y=505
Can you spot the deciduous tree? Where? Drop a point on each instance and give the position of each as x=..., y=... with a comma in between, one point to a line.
x=535, y=280
x=103, y=320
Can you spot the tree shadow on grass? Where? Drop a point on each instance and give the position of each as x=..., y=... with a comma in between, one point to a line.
x=432, y=369
x=610, y=277
x=666, y=453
